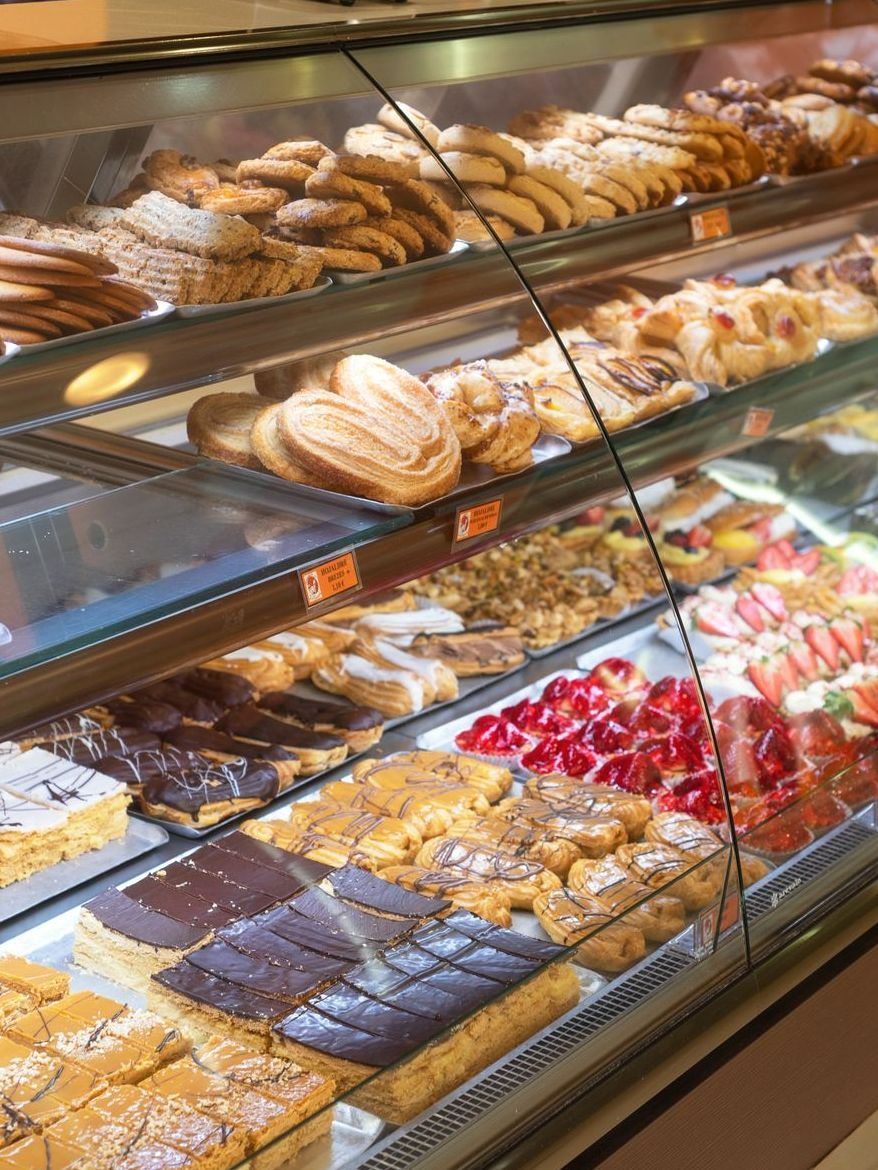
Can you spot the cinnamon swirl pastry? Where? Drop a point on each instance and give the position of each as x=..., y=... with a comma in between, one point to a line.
x=569, y=918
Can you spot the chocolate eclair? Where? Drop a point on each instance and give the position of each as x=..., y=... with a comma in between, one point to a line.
x=216, y=745
x=231, y=690
x=359, y=727
x=68, y=726
x=115, y=741
x=472, y=652
x=205, y=794
x=145, y=714
x=142, y=767
x=194, y=707
x=316, y=751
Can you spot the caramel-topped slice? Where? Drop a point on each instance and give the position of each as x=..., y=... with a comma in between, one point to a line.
x=28, y=977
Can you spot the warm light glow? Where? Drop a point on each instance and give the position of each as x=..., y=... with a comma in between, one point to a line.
x=106, y=379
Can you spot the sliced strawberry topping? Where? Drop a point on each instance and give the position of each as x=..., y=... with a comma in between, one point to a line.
x=715, y=619
x=849, y=635
x=747, y=608
x=493, y=735
x=632, y=771
x=606, y=736
x=775, y=757
x=673, y=753
x=773, y=558
x=808, y=562
x=824, y=645
x=619, y=676
x=555, y=692
x=724, y=280
x=771, y=599
x=858, y=579
x=560, y=753
x=537, y=718
x=696, y=729
x=805, y=661
x=767, y=679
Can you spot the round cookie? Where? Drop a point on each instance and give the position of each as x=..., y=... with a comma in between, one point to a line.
x=615, y=193
x=373, y=139
x=335, y=185
x=421, y=197
x=521, y=212
x=16, y=319
x=274, y=172
x=682, y=121
x=556, y=212
x=46, y=248
x=306, y=150
x=21, y=336
x=366, y=239
x=11, y=291
x=401, y=231
x=569, y=190
x=466, y=168
x=850, y=72
x=626, y=176
x=389, y=116
x=435, y=240
x=838, y=91
x=248, y=198
x=369, y=167
x=322, y=213
x=342, y=259
x=468, y=226
x=480, y=140
x=71, y=316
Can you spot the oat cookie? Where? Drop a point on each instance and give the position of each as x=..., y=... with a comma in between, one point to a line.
x=556, y=211
x=420, y=197
x=401, y=231
x=321, y=213
x=471, y=139
x=288, y=173
x=436, y=242
x=518, y=210
x=343, y=259
x=161, y=221
x=369, y=168
x=382, y=143
x=365, y=239
x=466, y=168
x=335, y=185
x=304, y=150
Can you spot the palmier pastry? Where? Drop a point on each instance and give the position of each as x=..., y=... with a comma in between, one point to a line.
x=388, y=840
x=439, y=677
x=555, y=853
x=397, y=771
x=568, y=918
x=522, y=880
x=595, y=836
x=431, y=808
x=393, y=692
x=359, y=727
x=592, y=800
x=492, y=650
x=659, y=918
x=219, y=425
x=486, y=899
x=658, y=866
x=314, y=846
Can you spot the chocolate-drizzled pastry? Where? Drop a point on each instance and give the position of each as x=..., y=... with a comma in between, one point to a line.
x=210, y=792
x=473, y=652
x=115, y=741
x=316, y=751
x=216, y=745
x=145, y=766
x=231, y=690
x=518, y=877
x=198, y=708
x=606, y=944
x=353, y=884
x=359, y=727
x=57, y=729
x=146, y=714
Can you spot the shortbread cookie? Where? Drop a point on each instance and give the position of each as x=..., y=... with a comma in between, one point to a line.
x=306, y=150
x=389, y=116
x=336, y=185
x=342, y=259
x=321, y=213
x=551, y=177
x=373, y=139
x=404, y=233
x=369, y=168
x=219, y=426
x=421, y=197
x=522, y=213
x=167, y=224
x=627, y=177
x=247, y=198
x=679, y=120
x=269, y=447
x=466, y=168
x=390, y=251
x=480, y=140
x=556, y=211
x=288, y=173
x=469, y=226
x=435, y=240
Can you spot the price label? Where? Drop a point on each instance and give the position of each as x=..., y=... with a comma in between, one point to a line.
x=477, y=520
x=330, y=579
x=713, y=224
x=757, y=420
x=731, y=914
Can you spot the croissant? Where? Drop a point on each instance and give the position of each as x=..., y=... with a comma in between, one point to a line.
x=569, y=918
x=520, y=879
x=660, y=918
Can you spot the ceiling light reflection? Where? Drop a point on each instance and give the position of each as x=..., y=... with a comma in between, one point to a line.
x=106, y=379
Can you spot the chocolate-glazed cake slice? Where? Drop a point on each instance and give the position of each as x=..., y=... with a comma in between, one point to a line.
x=476, y=958
x=254, y=939
x=189, y=878
x=452, y=992
x=339, y=917
x=221, y=686
x=239, y=844
x=224, y=749
x=511, y=941
x=206, y=1003
x=250, y=874
x=184, y=905
x=255, y=972
x=352, y=884
x=317, y=751
x=359, y=727
x=211, y=792
x=312, y=936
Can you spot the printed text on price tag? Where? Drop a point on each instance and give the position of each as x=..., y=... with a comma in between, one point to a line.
x=330, y=579
x=478, y=520
x=713, y=224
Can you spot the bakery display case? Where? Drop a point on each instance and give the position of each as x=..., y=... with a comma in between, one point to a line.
x=438, y=569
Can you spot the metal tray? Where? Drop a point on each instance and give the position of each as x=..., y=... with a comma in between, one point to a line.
x=162, y=309
x=401, y=269
x=320, y=285
x=10, y=350
x=67, y=875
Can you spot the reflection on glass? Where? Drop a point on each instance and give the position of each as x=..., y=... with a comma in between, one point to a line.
x=106, y=379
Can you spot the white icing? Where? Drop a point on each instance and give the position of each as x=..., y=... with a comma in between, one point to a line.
x=250, y=654
x=51, y=780
x=295, y=643
x=361, y=668
x=404, y=627
x=426, y=668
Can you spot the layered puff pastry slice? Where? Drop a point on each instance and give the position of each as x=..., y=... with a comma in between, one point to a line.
x=605, y=944
x=485, y=898
x=520, y=879
x=660, y=918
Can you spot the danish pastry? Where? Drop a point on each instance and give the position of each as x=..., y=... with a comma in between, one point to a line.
x=395, y=772
x=658, y=916
x=555, y=853
x=520, y=879
x=387, y=840
x=431, y=807
x=570, y=918
x=595, y=836
x=592, y=800
x=658, y=866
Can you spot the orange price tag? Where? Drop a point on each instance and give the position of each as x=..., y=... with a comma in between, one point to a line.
x=329, y=579
x=731, y=914
x=477, y=520
x=757, y=420
x=712, y=224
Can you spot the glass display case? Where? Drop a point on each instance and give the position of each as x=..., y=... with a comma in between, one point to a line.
x=438, y=564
